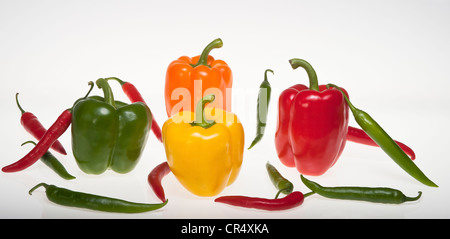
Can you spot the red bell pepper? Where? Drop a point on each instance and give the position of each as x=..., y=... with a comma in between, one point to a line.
x=312, y=125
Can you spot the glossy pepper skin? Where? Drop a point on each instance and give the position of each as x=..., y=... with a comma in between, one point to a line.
x=312, y=125
x=204, y=151
x=107, y=133
x=189, y=79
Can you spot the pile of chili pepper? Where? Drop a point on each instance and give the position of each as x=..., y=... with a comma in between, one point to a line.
x=50, y=136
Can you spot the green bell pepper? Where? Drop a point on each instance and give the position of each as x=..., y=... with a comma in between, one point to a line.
x=108, y=133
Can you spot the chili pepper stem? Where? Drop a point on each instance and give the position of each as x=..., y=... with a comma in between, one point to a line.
x=121, y=82
x=217, y=43
x=200, y=118
x=308, y=194
x=313, y=82
x=37, y=186
x=408, y=199
x=18, y=105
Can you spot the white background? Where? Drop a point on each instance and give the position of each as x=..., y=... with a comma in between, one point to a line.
x=391, y=56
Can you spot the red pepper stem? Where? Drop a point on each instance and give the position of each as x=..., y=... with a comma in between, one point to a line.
x=313, y=82
x=217, y=43
x=200, y=118
x=18, y=105
x=107, y=91
x=121, y=82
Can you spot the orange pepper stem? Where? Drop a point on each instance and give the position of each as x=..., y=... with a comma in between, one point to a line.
x=217, y=43
x=313, y=82
x=200, y=118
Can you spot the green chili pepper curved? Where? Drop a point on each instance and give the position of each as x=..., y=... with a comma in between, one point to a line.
x=71, y=198
x=369, y=194
x=282, y=184
x=262, y=108
x=386, y=143
x=52, y=162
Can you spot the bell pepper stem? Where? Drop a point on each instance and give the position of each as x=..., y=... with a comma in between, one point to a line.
x=200, y=118
x=313, y=82
x=107, y=91
x=217, y=43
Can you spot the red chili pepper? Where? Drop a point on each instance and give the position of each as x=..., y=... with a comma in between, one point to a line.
x=50, y=136
x=134, y=96
x=359, y=136
x=292, y=200
x=155, y=177
x=32, y=125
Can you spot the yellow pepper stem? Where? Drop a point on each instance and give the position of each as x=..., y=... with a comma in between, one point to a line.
x=200, y=118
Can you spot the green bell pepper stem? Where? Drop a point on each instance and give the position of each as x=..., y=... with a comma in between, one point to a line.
x=200, y=118
x=217, y=43
x=107, y=91
x=386, y=143
x=313, y=82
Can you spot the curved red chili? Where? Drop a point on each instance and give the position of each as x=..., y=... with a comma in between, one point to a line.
x=32, y=125
x=134, y=96
x=292, y=200
x=155, y=177
x=359, y=136
x=51, y=135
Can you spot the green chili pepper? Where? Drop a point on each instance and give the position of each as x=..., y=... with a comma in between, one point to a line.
x=262, y=108
x=52, y=162
x=281, y=183
x=374, y=130
x=70, y=198
x=376, y=195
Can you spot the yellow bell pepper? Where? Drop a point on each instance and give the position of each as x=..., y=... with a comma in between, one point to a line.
x=204, y=150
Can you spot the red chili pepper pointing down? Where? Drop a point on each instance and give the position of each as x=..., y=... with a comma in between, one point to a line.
x=134, y=96
x=32, y=125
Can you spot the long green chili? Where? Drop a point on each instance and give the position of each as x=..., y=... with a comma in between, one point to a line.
x=52, y=162
x=282, y=184
x=369, y=194
x=262, y=108
x=70, y=198
x=386, y=143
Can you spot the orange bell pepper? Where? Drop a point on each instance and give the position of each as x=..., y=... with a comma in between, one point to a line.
x=192, y=78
